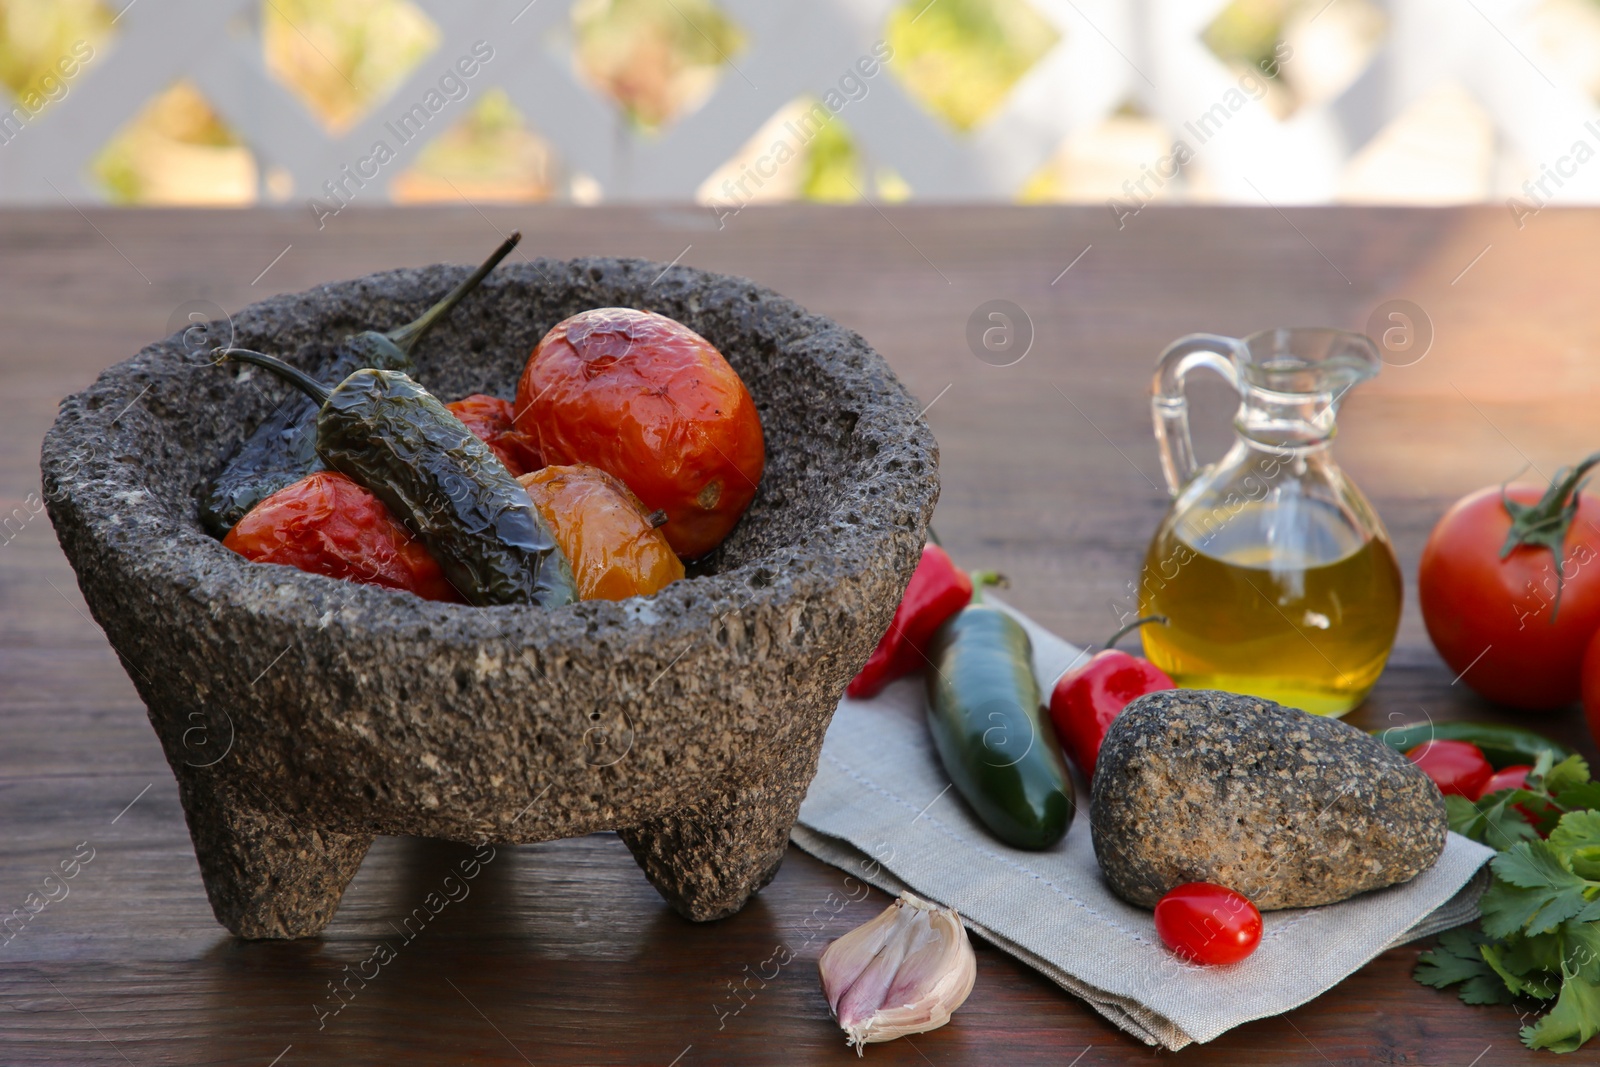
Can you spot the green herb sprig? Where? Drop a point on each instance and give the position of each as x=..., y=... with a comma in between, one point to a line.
x=1540, y=933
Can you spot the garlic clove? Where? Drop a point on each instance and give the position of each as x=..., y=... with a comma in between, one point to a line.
x=902, y=973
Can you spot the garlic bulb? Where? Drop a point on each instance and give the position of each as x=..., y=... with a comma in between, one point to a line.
x=902, y=973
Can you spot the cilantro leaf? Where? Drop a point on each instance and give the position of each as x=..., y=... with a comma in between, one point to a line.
x=1541, y=952
x=1577, y=839
x=1580, y=955
x=1457, y=960
x=1540, y=934
x=1580, y=797
x=1493, y=819
x=1507, y=908
x=1514, y=982
x=1535, y=865
x=1574, y=1019
x=1534, y=891
x=1570, y=772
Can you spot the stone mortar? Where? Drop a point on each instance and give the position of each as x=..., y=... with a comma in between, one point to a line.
x=303, y=715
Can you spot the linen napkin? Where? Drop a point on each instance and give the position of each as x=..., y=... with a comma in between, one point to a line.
x=881, y=807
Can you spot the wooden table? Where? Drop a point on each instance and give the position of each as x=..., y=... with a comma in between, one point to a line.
x=563, y=953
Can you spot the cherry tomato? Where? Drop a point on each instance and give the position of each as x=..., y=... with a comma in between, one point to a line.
x=1496, y=621
x=327, y=524
x=489, y=418
x=607, y=535
x=648, y=400
x=1456, y=767
x=1591, y=687
x=1086, y=700
x=1207, y=923
x=1512, y=777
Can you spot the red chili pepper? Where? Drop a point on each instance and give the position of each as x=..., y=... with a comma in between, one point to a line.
x=1087, y=699
x=327, y=524
x=489, y=418
x=938, y=589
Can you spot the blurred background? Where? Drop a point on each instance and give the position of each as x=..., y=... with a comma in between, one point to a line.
x=231, y=102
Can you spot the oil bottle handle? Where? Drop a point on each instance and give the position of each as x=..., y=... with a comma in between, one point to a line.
x=1170, y=409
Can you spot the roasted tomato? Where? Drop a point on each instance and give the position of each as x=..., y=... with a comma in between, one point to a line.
x=652, y=402
x=1208, y=923
x=608, y=536
x=327, y=524
x=490, y=418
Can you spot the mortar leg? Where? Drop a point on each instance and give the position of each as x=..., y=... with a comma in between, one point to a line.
x=266, y=877
x=710, y=858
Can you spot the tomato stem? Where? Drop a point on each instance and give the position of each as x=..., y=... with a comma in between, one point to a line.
x=1545, y=524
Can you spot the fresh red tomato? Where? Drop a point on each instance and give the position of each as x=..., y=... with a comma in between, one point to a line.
x=1512, y=777
x=1458, y=768
x=649, y=401
x=1488, y=588
x=1591, y=687
x=1086, y=700
x=1207, y=923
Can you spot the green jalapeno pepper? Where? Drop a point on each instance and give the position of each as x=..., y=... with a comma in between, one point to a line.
x=1502, y=746
x=281, y=451
x=997, y=745
x=386, y=432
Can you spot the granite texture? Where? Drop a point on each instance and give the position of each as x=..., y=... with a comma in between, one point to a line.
x=1292, y=810
x=303, y=715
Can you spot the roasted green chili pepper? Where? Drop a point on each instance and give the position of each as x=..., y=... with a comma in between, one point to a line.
x=386, y=432
x=997, y=745
x=280, y=452
x=1502, y=746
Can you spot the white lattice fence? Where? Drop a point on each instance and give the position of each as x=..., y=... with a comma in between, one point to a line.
x=1110, y=52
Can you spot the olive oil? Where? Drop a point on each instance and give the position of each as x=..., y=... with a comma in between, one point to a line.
x=1305, y=619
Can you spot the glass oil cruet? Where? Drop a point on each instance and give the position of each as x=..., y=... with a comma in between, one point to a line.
x=1274, y=574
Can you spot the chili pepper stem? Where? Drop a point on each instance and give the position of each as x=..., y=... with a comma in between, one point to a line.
x=1111, y=642
x=293, y=375
x=406, y=337
x=983, y=578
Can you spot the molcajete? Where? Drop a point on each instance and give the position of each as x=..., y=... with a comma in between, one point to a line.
x=303, y=715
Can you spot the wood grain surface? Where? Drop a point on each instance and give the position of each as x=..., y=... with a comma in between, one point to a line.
x=562, y=953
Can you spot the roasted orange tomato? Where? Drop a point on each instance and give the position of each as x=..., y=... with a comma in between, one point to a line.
x=327, y=524
x=608, y=536
x=650, y=401
x=489, y=418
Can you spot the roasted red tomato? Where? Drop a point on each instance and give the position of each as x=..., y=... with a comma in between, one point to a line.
x=489, y=418
x=605, y=532
x=650, y=401
x=1458, y=768
x=1500, y=611
x=1207, y=923
x=327, y=524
